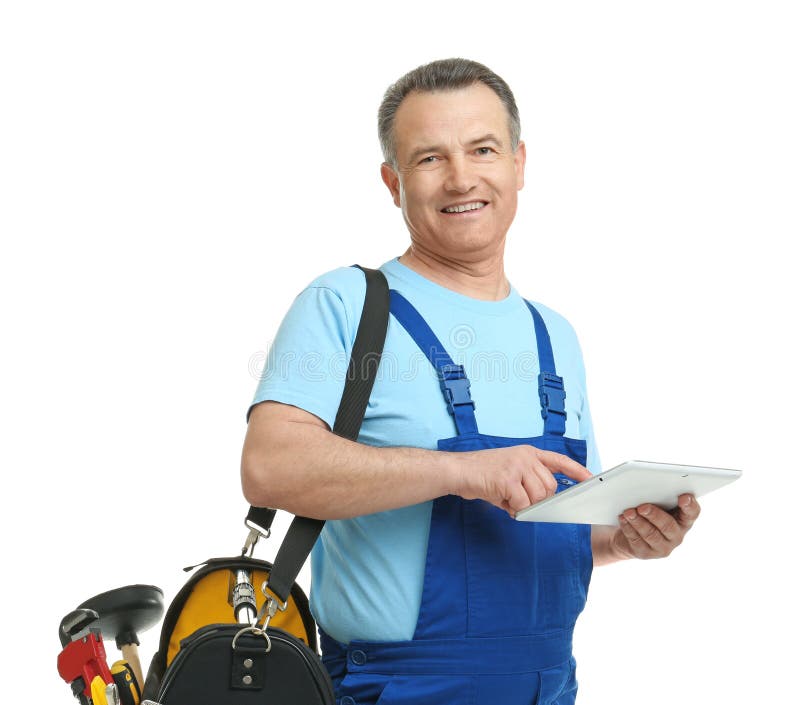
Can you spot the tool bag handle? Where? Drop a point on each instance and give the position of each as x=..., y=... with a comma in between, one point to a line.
x=364, y=360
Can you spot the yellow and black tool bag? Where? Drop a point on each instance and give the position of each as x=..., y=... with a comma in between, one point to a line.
x=206, y=656
x=240, y=631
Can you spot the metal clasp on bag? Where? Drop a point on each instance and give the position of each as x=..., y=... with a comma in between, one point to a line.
x=269, y=609
x=252, y=538
x=254, y=631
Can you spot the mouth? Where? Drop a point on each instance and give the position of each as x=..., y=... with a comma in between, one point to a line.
x=471, y=207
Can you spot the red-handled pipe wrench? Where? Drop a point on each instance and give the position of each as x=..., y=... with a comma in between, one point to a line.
x=82, y=662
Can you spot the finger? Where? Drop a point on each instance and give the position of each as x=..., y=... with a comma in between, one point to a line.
x=687, y=512
x=649, y=533
x=504, y=506
x=536, y=485
x=518, y=499
x=557, y=462
x=543, y=474
x=637, y=544
x=663, y=521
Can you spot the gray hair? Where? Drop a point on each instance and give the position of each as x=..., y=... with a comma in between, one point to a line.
x=442, y=75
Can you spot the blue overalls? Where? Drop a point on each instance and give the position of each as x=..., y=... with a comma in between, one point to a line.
x=500, y=597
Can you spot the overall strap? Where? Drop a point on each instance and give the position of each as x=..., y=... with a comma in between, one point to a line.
x=551, y=386
x=364, y=359
x=452, y=378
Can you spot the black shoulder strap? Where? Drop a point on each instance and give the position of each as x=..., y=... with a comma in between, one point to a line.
x=364, y=360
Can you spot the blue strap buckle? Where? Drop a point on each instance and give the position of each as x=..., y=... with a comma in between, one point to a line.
x=455, y=386
x=552, y=394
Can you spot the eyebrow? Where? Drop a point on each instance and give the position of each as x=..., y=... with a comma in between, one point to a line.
x=488, y=137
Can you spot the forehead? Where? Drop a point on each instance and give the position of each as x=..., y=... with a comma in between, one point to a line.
x=447, y=117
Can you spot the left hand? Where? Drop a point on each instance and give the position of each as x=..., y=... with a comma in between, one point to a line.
x=649, y=532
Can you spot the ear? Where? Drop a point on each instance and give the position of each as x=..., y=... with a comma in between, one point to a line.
x=519, y=165
x=392, y=182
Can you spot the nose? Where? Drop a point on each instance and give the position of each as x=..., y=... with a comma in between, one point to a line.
x=461, y=176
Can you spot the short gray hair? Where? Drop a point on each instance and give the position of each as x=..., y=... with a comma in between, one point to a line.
x=442, y=75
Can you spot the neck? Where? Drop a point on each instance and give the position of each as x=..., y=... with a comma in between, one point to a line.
x=484, y=280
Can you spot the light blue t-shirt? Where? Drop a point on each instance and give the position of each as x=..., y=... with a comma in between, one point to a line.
x=367, y=572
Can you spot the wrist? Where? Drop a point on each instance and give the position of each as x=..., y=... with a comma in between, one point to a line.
x=616, y=550
x=606, y=546
x=454, y=469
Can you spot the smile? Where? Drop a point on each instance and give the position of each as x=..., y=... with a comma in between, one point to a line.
x=463, y=207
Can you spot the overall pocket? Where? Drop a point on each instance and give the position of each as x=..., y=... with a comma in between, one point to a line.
x=522, y=577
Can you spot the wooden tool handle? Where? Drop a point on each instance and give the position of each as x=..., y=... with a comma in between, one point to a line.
x=130, y=652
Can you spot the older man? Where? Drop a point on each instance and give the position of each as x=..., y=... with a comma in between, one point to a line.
x=425, y=589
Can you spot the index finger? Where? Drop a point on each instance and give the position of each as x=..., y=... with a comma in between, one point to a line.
x=557, y=462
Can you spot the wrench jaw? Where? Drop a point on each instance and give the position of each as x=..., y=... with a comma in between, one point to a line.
x=82, y=661
x=77, y=625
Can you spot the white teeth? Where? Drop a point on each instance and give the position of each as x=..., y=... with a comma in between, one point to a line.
x=466, y=207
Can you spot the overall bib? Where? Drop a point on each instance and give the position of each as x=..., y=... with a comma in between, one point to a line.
x=500, y=597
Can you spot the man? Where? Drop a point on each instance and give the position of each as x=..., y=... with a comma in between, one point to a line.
x=422, y=593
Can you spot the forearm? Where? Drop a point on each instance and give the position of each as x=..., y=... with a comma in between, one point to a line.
x=307, y=470
x=604, y=549
x=292, y=461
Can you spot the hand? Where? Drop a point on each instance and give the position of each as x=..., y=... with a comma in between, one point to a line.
x=649, y=532
x=514, y=478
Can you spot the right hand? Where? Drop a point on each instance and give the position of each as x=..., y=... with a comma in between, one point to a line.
x=514, y=478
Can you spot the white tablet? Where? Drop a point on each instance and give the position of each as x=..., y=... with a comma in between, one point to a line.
x=601, y=499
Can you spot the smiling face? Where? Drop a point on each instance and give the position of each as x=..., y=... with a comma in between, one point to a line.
x=456, y=178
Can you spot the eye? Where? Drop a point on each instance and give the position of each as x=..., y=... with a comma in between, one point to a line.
x=484, y=151
x=430, y=159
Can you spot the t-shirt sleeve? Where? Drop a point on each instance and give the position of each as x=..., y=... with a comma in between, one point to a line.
x=307, y=362
x=585, y=427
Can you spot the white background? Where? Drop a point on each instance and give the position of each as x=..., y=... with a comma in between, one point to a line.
x=173, y=173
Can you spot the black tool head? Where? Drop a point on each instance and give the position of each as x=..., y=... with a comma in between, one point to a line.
x=126, y=611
